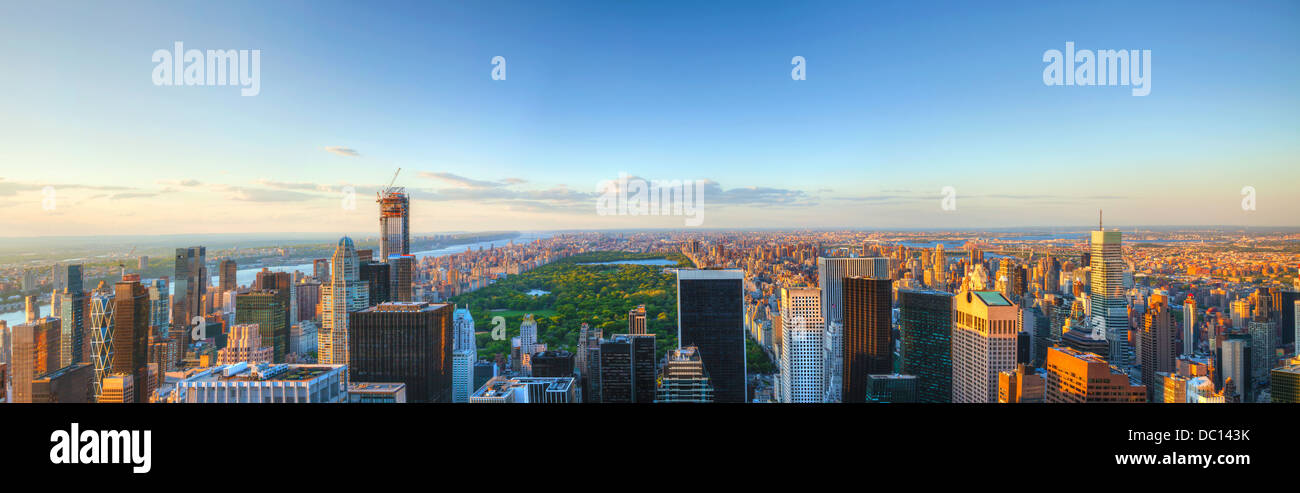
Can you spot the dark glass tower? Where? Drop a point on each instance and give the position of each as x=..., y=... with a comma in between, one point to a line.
x=73, y=319
x=868, y=334
x=409, y=343
x=710, y=316
x=376, y=275
x=553, y=364
x=925, y=322
x=188, y=287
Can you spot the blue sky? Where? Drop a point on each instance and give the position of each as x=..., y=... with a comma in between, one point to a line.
x=901, y=99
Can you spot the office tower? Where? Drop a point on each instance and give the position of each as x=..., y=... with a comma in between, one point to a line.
x=1284, y=383
x=308, y=293
x=1108, y=302
x=1283, y=313
x=464, y=355
x=711, y=317
x=376, y=276
x=1240, y=313
x=636, y=320
x=101, y=337
x=627, y=369
x=1024, y=345
x=118, y=388
x=320, y=270
x=1189, y=327
x=70, y=385
x=6, y=348
x=303, y=337
x=1159, y=350
x=483, y=371
x=160, y=308
x=831, y=273
x=404, y=342
x=72, y=316
x=1171, y=388
x=365, y=255
x=245, y=343
x=36, y=347
x=552, y=364
x=526, y=390
x=142, y=263
x=189, y=286
x=1077, y=377
x=985, y=325
x=401, y=277
x=394, y=223
x=591, y=369
x=265, y=383
x=267, y=310
x=131, y=333
x=892, y=388
x=801, y=351
x=31, y=309
x=868, y=334
x=1234, y=363
x=226, y=274
x=683, y=378
x=528, y=343
x=344, y=293
x=1296, y=336
x=940, y=269
x=1262, y=352
x=1022, y=385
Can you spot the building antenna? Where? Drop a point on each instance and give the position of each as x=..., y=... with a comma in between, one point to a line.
x=1099, y=228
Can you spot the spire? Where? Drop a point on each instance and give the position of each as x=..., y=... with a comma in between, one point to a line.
x=1099, y=228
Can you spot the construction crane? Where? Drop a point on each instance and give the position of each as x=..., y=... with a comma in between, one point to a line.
x=380, y=194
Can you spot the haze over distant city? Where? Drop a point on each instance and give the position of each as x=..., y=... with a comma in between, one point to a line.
x=899, y=102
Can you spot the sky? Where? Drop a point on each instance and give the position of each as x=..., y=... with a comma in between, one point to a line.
x=900, y=100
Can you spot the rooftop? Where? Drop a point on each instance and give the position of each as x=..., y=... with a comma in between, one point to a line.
x=993, y=298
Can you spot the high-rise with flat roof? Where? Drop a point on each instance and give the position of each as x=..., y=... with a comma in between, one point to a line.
x=801, y=347
x=636, y=320
x=985, y=325
x=131, y=334
x=72, y=316
x=868, y=334
x=1159, y=350
x=711, y=317
x=831, y=272
x=409, y=343
x=394, y=222
x=227, y=270
x=1077, y=377
x=683, y=379
x=925, y=324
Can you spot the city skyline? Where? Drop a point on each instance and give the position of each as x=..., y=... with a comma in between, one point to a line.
x=946, y=95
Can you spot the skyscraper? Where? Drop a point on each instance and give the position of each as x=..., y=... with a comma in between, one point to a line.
x=464, y=355
x=1078, y=377
x=394, y=222
x=345, y=293
x=401, y=274
x=409, y=343
x=985, y=325
x=711, y=317
x=227, y=271
x=377, y=276
x=1233, y=363
x=101, y=338
x=1159, y=352
x=131, y=333
x=1108, y=303
x=636, y=320
x=831, y=272
x=73, y=319
x=683, y=379
x=35, y=353
x=627, y=369
x=267, y=306
x=868, y=334
x=1189, y=327
x=160, y=308
x=189, y=285
x=801, y=349
x=925, y=323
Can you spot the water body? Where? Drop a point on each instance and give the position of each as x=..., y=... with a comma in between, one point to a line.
x=651, y=261
x=246, y=276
